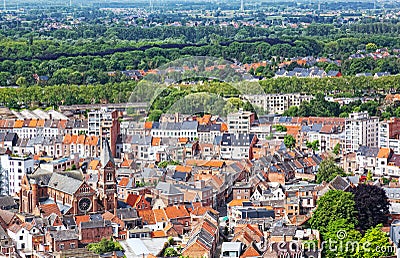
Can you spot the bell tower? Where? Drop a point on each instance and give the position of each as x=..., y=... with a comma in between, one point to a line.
x=107, y=183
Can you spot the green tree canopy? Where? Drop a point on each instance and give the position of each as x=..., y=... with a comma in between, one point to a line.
x=289, y=141
x=332, y=206
x=105, y=246
x=328, y=170
x=375, y=243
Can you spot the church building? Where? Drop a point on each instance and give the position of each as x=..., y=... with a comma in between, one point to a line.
x=69, y=189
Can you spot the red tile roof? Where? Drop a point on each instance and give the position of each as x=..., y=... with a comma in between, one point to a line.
x=82, y=218
x=123, y=182
x=173, y=212
x=47, y=209
x=147, y=216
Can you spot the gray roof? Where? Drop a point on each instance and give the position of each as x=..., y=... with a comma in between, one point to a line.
x=64, y=183
x=106, y=154
x=127, y=213
x=237, y=139
x=171, y=126
x=41, y=176
x=189, y=125
x=64, y=235
x=7, y=202
x=167, y=188
x=140, y=139
x=368, y=151
x=339, y=183
x=281, y=231
x=11, y=137
x=96, y=224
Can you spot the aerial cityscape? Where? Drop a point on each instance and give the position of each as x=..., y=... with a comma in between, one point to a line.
x=199, y=128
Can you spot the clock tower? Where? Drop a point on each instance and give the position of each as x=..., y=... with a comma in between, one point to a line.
x=107, y=183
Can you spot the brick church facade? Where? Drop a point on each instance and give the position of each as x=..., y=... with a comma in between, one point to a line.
x=70, y=191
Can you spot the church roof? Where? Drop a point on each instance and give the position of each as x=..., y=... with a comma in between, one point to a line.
x=64, y=183
x=106, y=154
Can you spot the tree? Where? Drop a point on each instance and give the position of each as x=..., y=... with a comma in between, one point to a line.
x=339, y=239
x=21, y=81
x=369, y=176
x=336, y=149
x=170, y=252
x=314, y=145
x=289, y=141
x=280, y=128
x=105, y=246
x=155, y=115
x=372, y=205
x=375, y=243
x=328, y=170
x=332, y=206
x=371, y=47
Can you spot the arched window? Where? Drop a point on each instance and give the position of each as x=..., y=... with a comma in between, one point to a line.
x=109, y=176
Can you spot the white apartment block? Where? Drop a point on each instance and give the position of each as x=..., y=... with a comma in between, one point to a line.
x=15, y=167
x=360, y=130
x=240, y=122
x=186, y=129
x=389, y=134
x=277, y=103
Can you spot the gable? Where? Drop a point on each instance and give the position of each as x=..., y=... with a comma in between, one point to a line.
x=109, y=165
x=85, y=188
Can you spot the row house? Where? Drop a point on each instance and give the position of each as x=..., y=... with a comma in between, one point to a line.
x=237, y=146
x=85, y=146
x=203, y=238
x=8, y=140
x=242, y=211
x=23, y=235
x=186, y=129
x=168, y=194
x=76, y=127
x=207, y=133
x=388, y=163
x=327, y=136
x=138, y=145
x=366, y=159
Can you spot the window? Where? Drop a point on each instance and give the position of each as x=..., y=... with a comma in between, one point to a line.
x=61, y=246
x=72, y=245
x=109, y=176
x=21, y=237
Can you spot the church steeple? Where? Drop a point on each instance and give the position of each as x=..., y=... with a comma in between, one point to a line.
x=106, y=154
x=107, y=183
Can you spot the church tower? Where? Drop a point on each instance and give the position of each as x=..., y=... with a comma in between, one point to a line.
x=107, y=183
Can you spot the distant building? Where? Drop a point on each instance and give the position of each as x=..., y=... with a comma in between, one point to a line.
x=277, y=103
x=104, y=123
x=361, y=130
x=240, y=122
x=14, y=168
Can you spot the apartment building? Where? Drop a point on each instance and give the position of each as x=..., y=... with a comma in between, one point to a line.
x=277, y=103
x=240, y=122
x=186, y=129
x=389, y=134
x=104, y=123
x=13, y=169
x=361, y=130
